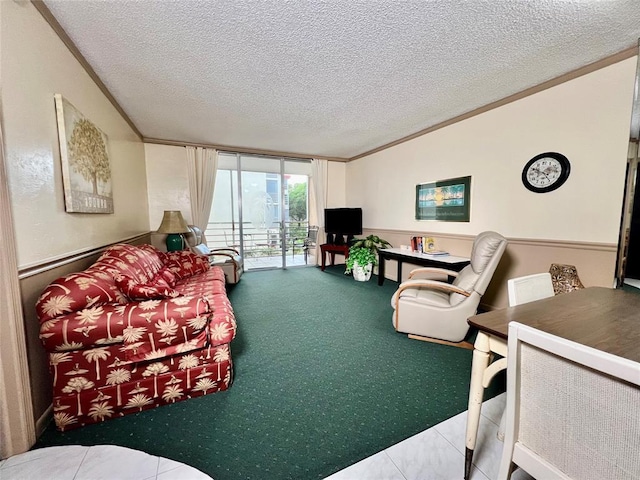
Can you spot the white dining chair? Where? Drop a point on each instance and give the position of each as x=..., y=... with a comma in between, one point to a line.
x=524, y=290
x=529, y=288
x=573, y=412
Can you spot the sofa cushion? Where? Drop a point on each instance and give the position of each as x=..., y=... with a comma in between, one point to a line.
x=158, y=287
x=168, y=276
x=142, y=263
x=184, y=264
x=159, y=254
x=160, y=328
x=77, y=291
x=90, y=327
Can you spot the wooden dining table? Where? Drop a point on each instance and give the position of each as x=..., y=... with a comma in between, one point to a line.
x=602, y=318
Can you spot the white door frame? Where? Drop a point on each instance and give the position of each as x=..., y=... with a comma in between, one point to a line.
x=631, y=189
x=17, y=425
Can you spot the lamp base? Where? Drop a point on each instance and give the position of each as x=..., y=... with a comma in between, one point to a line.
x=174, y=242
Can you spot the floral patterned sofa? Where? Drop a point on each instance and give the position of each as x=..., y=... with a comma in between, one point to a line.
x=138, y=329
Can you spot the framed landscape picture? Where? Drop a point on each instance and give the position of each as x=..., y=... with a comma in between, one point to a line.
x=86, y=168
x=446, y=200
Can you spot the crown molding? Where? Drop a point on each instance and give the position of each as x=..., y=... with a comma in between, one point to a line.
x=579, y=72
x=55, y=25
x=592, y=67
x=228, y=148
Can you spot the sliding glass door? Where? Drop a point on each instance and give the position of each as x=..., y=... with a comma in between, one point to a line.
x=262, y=213
x=260, y=207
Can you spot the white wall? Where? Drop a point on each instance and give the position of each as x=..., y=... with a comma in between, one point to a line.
x=336, y=196
x=36, y=65
x=586, y=119
x=167, y=181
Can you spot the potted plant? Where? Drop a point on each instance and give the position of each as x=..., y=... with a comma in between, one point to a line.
x=372, y=242
x=363, y=255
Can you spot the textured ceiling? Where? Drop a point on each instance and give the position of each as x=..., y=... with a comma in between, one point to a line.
x=332, y=78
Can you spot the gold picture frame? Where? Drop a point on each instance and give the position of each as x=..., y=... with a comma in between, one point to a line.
x=86, y=167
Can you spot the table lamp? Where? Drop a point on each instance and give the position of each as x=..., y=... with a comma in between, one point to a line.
x=173, y=224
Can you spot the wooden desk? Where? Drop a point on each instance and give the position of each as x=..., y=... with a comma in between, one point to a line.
x=333, y=249
x=601, y=318
x=450, y=262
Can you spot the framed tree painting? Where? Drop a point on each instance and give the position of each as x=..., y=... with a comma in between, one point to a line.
x=447, y=200
x=86, y=168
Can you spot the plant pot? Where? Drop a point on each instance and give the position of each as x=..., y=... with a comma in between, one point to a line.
x=362, y=274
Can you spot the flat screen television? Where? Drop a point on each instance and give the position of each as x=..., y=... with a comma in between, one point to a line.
x=343, y=221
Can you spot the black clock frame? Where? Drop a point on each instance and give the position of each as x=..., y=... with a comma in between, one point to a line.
x=565, y=170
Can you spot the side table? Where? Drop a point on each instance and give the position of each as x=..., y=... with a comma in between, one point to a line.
x=333, y=249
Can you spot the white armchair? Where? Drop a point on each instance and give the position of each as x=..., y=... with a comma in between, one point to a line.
x=437, y=311
x=229, y=259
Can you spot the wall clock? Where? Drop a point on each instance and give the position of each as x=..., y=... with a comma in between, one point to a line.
x=546, y=172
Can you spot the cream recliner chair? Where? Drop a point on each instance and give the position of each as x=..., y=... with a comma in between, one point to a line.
x=437, y=311
x=229, y=259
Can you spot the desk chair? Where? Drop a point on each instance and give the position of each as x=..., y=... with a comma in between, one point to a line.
x=229, y=259
x=437, y=311
x=573, y=412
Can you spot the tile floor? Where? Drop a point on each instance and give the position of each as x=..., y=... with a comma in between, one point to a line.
x=436, y=453
x=102, y=462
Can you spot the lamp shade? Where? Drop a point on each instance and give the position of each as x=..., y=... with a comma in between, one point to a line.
x=173, y=222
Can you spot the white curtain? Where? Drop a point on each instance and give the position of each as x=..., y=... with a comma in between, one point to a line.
x=202, y=165
x=320, y=182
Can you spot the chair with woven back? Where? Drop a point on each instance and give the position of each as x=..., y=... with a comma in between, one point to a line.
x=229, y=259
x=528, y=288
x=573, y=412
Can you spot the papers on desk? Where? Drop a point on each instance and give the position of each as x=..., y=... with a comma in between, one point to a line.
x=437, y=253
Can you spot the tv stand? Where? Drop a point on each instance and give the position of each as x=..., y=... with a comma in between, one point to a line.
x=332, y=249
x=338, y=239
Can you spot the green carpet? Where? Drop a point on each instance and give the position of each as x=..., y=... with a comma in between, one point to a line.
x=321, y=381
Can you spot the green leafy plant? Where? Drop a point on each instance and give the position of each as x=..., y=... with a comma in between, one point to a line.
x=372, y=242
x=362, y=255
x=365, y=251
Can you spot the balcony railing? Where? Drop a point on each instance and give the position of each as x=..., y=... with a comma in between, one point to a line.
x=258, y=242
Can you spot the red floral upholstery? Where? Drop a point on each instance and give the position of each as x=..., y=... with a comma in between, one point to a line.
x=77, y=291
x=184, y=264
x=168, y=276
x=113, y=351
x=100, y=385
x=158, y=287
